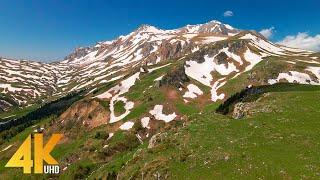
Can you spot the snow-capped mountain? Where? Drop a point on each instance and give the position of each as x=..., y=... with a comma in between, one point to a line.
x=25, y=82
x=151, y=44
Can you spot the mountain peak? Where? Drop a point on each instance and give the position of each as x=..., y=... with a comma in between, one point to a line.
x=212, y=26
x=214, y=22
x=148, y=28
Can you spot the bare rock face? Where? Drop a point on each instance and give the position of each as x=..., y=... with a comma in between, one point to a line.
x=152, y=58
x=109, y=59
x=4, y=105
x=156, y=139
x=175, y=78
x=78, y=52
x=222, y=59
x=146, y=48
x=197, y=56
x=88, y=113
x=236, y=47
x=168, y=50
x=241, y=110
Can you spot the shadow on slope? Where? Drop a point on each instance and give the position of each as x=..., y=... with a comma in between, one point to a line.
x=253, y=93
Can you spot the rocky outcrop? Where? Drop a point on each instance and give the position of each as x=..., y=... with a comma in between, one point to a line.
x=89, y=113
x=5, y=105
x=77, y=53
x=221, y=58
x=157, y=138
x=146, y=48
x=240, y=110
x=175, y=78
x=236, y=47
x=168, y=50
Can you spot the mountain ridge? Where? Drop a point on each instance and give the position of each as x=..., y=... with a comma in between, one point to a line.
x=108, y=61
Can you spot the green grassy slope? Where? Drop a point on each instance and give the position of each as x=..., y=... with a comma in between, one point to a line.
x=281, y=144
x=279, y=141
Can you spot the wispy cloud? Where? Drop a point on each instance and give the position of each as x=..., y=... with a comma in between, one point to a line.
x=303, y=41
x=228, y=14
x=267, y=33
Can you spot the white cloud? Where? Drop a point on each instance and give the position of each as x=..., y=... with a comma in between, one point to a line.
x=267, y=33
x=302, y=41
x=228, y=14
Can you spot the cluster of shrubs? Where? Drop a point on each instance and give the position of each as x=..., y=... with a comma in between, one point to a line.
x=248, y=94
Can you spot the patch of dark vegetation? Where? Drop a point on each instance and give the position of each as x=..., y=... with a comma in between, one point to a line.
x=82, y=172
x=4, y=100
x=54, y=108
x=246, y=95
x=120, y=142
x=119, y=107
x=221, y=58
x=103, y=88
x=111, y=176
x=137, y=127
x=253, y=93
x=175, y=78
x=101, y=135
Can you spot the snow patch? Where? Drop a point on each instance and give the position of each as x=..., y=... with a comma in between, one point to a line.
x=193, y=91
x=6, y=148
x=252, y=58
x=159, y=78
x=115, y=93
x=295, y=77
x=315, y=71
x=210, y=39
x=232, y=55
x=214, y=94
x=145, y=122
x=128, y=106
x=309, y=62
x=127, y=125
x=200, y=71
x=262, y=44
x=291, y=62
x=157, y=113
x=195, y=49
x=110, y=135
x=156, y=68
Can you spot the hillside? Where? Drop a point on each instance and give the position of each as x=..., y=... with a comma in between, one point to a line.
x=24, y=83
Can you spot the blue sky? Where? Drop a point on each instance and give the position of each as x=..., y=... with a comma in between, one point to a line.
x=48, y=30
